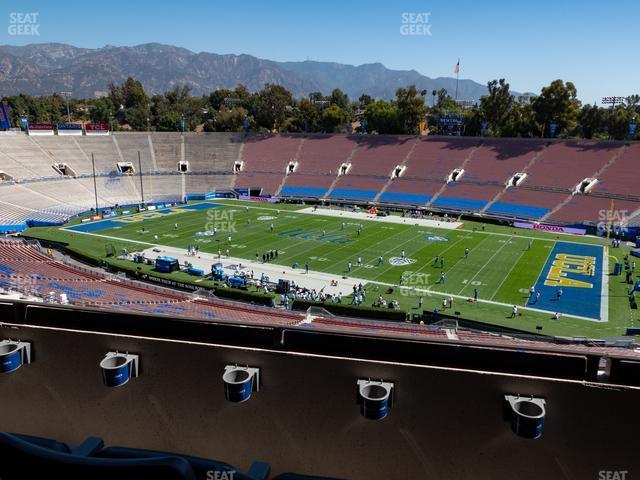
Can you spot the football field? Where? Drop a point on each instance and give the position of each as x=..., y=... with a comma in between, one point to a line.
x=496, y=263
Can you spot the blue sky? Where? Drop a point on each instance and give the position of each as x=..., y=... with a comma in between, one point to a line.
x=530, y=43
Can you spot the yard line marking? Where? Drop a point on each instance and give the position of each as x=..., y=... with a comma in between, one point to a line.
x=604, y=303
x=507, y=275
x=595, y=240
x=485, y=265
x=429, y=291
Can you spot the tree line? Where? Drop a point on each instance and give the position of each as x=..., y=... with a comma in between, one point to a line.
x=555, y=111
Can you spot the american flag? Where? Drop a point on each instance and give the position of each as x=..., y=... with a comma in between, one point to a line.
x=457, y=69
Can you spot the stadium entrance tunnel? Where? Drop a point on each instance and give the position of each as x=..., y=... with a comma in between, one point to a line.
x=517, y=179
x=125, y=168
x=398, y=171
x=64, y=169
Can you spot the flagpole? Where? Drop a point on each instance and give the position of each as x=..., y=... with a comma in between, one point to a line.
x=457, y=77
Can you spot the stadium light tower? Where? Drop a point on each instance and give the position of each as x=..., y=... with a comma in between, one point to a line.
x=66, y=96
x=612, y=101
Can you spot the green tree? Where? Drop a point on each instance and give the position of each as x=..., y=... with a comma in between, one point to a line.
x=334, y=117
x=271, y=106
x=169, y=122
x=411, y=109
x=591, y=121
x=100, y=110
x=496, y=107
x=557, y=103
x=365, y=100
x=341, y=99
x=131, y=103
x=383, y=117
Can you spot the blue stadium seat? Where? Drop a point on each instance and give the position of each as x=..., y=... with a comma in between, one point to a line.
x=200, y=466
x=25, y=456
x=22, y=459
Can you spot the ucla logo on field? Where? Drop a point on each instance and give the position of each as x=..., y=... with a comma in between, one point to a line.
x=400, y=261
x=335, y=238
x=151, y=215
x=566, y=267
x=435, y=238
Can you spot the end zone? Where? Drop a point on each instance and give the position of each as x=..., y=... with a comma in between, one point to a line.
x=573, y=282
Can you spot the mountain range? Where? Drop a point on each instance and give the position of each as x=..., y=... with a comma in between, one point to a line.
x=45, y=68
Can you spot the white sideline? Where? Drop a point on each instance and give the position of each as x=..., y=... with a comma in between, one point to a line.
x=312, y=280
x=364, y=215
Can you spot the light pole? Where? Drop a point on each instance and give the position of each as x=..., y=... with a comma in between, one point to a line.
x=612, y=101
x=66, y=96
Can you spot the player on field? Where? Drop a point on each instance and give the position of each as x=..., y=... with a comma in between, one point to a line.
x=359, y=261
x=442, y=261
x=466, y=252
x=349, y=267
x=441, y=277
x=514, y=311
x=380, y=260
x=437, y=260
x=306, y=267
x=403, y=254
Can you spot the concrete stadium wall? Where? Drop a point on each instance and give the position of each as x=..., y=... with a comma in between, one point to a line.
x=445, y=423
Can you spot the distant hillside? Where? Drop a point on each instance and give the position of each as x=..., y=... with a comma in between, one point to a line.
x=41, y=69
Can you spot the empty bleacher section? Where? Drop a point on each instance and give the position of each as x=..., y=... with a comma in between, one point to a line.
x=435, y=159
x=495, y=161
x=524, y=203
x=410, y=190
x=61, y=150
x=22, y=157
x=205, y=183
x=352, y=187
x=378, y=155
x=319, y=160
x=212, y=151
x=591, y=210
x=265, y=183
x=618, y=179
x=466, y=196
x=25, y=269
x=309, y=167
x=167, y=150
x=266, y=158
x=565, y=164
x=130, y=144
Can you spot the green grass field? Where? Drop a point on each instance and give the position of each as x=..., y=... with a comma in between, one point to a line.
x=500, y=264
